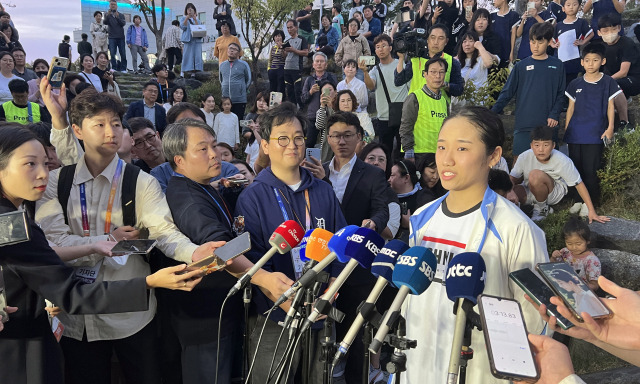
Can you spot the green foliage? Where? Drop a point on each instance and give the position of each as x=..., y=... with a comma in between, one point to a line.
x=486, y=95
x=622, y=161
x=212, y=86
x=552, y=227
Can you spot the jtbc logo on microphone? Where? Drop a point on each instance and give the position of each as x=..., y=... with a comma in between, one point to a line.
x=459, y=270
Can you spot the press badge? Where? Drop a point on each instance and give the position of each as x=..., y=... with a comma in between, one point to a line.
x=57, y=328
x=530, y=67
x=298, y=264
x=87, y=274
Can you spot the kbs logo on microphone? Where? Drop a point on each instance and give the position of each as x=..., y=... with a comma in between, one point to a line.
x=411, y=262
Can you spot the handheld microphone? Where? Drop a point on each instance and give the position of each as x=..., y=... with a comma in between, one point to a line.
x=362, y=248
x=466, y=274
x=324, y=247
x=382, y=267
x=303, y=246
x=287, y=236
x=413, y=274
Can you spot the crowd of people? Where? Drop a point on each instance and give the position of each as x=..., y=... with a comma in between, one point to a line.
x=195, y=172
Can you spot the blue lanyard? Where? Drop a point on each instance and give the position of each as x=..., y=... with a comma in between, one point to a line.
x=224, y=213
x=282, y=208
x=30, y=117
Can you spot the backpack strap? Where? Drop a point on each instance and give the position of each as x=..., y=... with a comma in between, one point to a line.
x=129, y=181
x=65, y=182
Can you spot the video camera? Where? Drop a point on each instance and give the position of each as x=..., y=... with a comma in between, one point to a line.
x=412, y=43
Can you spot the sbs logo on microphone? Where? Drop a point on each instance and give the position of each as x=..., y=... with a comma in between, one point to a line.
x=459, y=270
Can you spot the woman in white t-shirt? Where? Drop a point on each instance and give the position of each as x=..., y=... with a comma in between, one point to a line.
x=469, y=218
x=86, y=61
x=208, y=103
x=7, y=63
x=475, y=59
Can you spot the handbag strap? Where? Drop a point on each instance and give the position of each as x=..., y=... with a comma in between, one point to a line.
x=384, y=85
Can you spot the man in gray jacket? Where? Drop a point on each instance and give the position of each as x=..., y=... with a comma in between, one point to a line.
x=114, y=20
x=235, y=77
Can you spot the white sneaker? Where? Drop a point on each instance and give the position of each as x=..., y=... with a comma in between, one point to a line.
x=575, y=208
x=540, y=211
x=375, y=374
x=584, y=211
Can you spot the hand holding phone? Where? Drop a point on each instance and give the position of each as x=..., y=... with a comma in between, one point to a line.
x=57, y=71
x=222, y=255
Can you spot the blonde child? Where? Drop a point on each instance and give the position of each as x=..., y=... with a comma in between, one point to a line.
x=226, y=125
x=577, y=254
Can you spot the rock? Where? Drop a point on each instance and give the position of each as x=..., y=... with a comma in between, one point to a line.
x=204, y=76
x=189, y=83
x=615, y=376
x=619, y=234
x=623, y=268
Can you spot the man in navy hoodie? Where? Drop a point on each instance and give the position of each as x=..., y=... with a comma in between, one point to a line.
x=283, y=191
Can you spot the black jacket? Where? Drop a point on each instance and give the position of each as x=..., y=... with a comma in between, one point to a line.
x=136, y=109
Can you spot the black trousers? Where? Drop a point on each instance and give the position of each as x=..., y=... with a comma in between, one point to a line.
x=174, y=56
x=386, y=135
x=276, y=80
x=90, y=362
x=293, y=84
x=238, y=109
x=588, y=160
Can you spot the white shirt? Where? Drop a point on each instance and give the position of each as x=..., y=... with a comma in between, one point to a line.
x=92, y=79
x=152, y=212
x=340, y=178
x=559, y=167
x=210, y=117
x=226, y=128
x=477, y=74
x=253, y=151
x=359, y=89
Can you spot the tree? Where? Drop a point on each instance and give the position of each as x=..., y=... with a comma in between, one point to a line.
x=258, y=20
x=147, y=7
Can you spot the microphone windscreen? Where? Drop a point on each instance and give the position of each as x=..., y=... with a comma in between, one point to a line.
x=363, y=246
x=317, y=244
x=339, y=241
x=466, y=275
x=303, y=246
x=386, y=259
x=288, y=235
x=415, y=269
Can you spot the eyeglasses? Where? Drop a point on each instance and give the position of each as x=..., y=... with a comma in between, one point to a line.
x=149, y=139
x=437, y=73
x=284, y=141
x=347, y=137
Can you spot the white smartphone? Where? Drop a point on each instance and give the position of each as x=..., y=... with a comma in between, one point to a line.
x=275, y=98
x=505, y=334
x=531, y=5
x=368, y=60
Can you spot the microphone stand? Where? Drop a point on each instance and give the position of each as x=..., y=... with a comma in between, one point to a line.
x=328, y=349
x=372, y=319
x=246, y=299
x=398, y=363
x=466, y=352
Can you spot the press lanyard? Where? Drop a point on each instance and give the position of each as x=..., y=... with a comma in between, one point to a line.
x=30, y=112
x=284, y=210
x=112, y=196
x=225, y=211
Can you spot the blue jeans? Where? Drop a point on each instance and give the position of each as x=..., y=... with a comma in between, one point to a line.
x=119, y=45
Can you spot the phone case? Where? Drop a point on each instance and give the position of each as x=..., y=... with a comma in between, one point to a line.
x=519, y=276
x=57, y=70
x=134, y=247
x=14, y=228
x=494, y=371
x=544, y=270
x=218, y=260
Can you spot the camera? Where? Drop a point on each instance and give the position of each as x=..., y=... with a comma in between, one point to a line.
x=412, y=43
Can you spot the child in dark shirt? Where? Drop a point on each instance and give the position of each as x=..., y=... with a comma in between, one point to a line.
x=622, y=61
x=538, y=82
x=503, y=22
x=529, y=19
x=590, y=116
x=575, y=31
x=557, y=10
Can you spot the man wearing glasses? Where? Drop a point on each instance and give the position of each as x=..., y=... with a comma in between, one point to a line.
x=387, y=123
x=424, y=112
x=284, y=191
x=148, y=108
x=360, y=189
x=147, y=145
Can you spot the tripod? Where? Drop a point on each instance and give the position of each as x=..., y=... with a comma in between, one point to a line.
x=400, y=343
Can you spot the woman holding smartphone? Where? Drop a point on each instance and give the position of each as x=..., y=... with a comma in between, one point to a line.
x=33, y=271
x=470, y=218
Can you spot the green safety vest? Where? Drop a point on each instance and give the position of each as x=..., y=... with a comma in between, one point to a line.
x=431, y=115
x=21, y=115
x=417, y=65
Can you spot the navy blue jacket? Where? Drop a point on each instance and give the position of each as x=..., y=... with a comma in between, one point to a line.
x=258, y=207
x=136, y=109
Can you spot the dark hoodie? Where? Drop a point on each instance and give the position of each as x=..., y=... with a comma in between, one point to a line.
x=258, y=208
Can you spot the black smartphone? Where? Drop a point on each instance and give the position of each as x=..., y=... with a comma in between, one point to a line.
x=133, y=247
x=57, y=70
x=3, y=300
x=505, y=335
x=540, y=293
x=404, y=208
x=573, y=291
x=237, y=182
x=218, y=260
x=14, y=228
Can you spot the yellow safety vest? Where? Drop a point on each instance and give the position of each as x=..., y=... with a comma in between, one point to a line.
x=417, y=65
x=21, y=115
x=431, y=115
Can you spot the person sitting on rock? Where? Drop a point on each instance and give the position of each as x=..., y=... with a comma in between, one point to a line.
x=577, y=254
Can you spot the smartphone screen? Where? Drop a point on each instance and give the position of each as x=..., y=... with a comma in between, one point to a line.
x=575, y=293
x=138, y=247
x=13, y=228
x=539, y=292
x=230, y=250
x=505, y=334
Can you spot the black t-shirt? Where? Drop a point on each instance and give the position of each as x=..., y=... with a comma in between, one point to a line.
x=100, y=73
x=63, y=50
x=305, y=25
x=624, y=50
